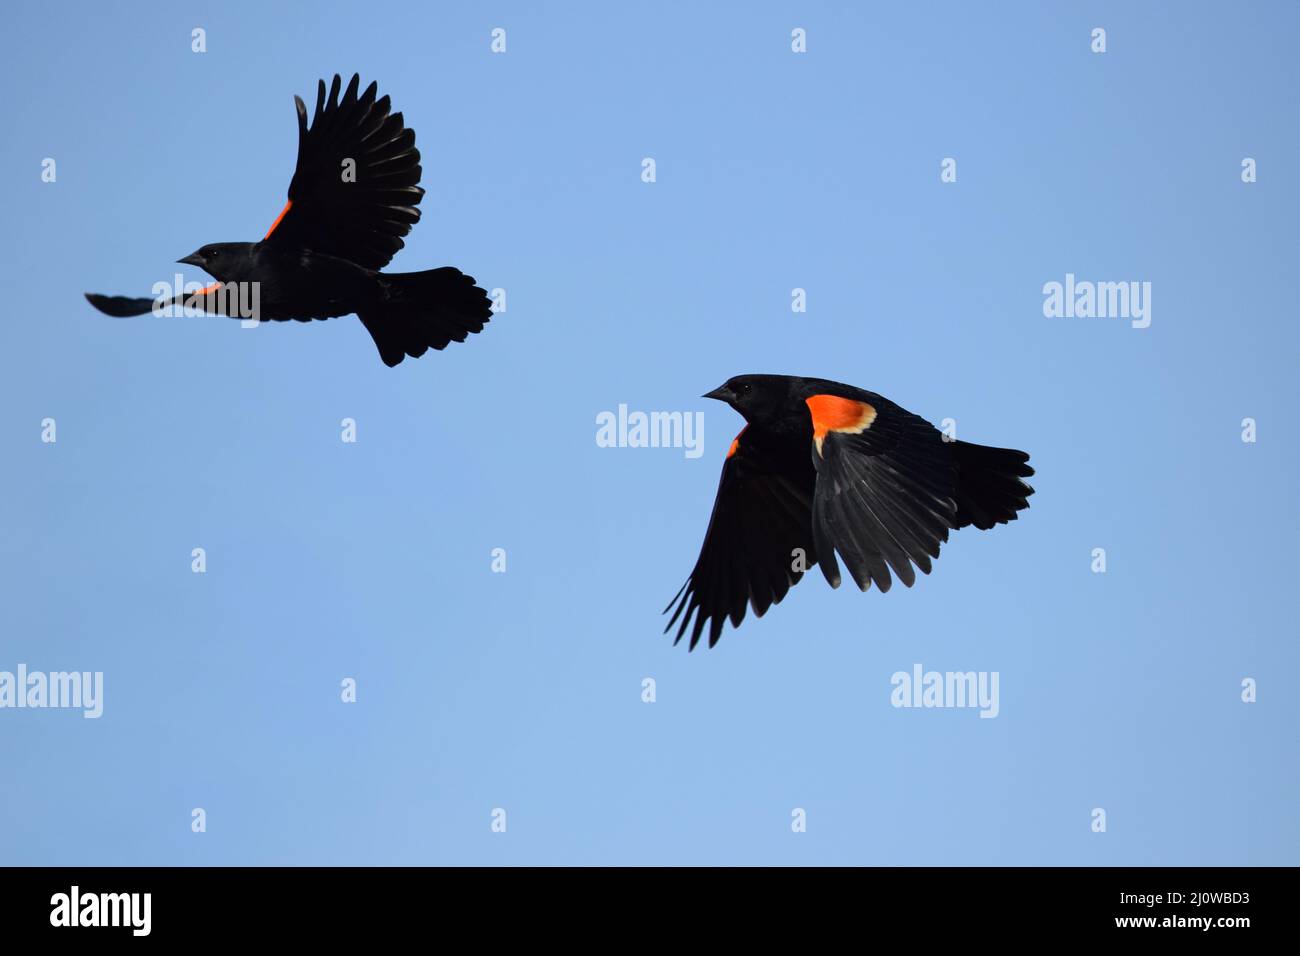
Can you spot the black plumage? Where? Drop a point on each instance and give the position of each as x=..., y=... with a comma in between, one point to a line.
x=820, y=469
x=353, y=198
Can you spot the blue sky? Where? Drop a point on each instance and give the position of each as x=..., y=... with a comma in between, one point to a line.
x=522, y=691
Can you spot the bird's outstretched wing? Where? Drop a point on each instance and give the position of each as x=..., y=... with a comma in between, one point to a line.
x=886, y=488
x=355, y=189
x=122, y=306
x=758, y=542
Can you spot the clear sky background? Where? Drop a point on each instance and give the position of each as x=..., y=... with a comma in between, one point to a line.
x=522, y=690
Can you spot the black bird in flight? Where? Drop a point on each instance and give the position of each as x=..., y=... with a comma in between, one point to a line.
x=352, y=198
x=823, y=467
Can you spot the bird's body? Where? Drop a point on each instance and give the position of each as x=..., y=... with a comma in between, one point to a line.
x=296, y=283
x=352, y=198
x=823, y=468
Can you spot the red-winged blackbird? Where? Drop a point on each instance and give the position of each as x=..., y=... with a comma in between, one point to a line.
x=351, y=200
x=823, y=467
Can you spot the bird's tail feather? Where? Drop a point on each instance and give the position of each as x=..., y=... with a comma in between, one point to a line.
x=989, y=486
x=425, y=310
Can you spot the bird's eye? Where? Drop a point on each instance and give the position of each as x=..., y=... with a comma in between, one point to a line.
x=743, y=389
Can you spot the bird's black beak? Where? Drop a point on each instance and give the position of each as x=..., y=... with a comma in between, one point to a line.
x=721, y=393
x=193, y=259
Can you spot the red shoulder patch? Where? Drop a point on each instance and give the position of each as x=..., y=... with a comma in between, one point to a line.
x=830, y=413
x=735, y=443
x=287, y=207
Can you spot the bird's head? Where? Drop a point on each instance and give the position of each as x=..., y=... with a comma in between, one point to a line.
x=217, y=259
x=761, y=399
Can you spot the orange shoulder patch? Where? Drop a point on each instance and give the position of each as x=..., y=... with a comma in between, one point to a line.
x=287, y=207
x=198, y=298
x=735, y=443
x=830, y=413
